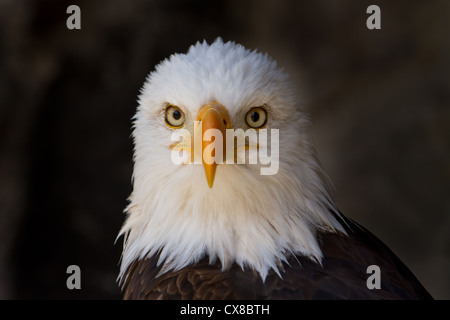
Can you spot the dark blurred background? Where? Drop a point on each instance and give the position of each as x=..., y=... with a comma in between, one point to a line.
x=379, y=100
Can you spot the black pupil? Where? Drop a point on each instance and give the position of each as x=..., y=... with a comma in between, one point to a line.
x=176, y=115
x=254, y=116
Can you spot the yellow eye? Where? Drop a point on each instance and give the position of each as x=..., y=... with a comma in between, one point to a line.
x=256, y=118
x=174, y=117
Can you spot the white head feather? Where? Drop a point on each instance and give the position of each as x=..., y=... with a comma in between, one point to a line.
x=250, y=219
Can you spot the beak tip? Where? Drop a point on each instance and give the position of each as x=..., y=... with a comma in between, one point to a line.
x=210, y=171
x=210, y=181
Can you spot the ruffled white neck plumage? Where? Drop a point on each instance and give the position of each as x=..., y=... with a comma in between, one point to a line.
x=256, y=223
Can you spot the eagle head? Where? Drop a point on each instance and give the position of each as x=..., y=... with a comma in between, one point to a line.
x=224, y=166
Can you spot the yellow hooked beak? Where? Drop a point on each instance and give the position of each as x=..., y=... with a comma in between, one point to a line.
x=212, y=116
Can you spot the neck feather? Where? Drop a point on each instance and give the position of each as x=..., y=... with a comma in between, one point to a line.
x=256, y=223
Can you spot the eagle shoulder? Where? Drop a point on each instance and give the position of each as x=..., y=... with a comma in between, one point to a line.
x=342, y=274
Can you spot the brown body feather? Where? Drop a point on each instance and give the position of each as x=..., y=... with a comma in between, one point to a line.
x=342, y=275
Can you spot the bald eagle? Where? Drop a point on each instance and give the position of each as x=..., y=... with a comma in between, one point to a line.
x=239, y=233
